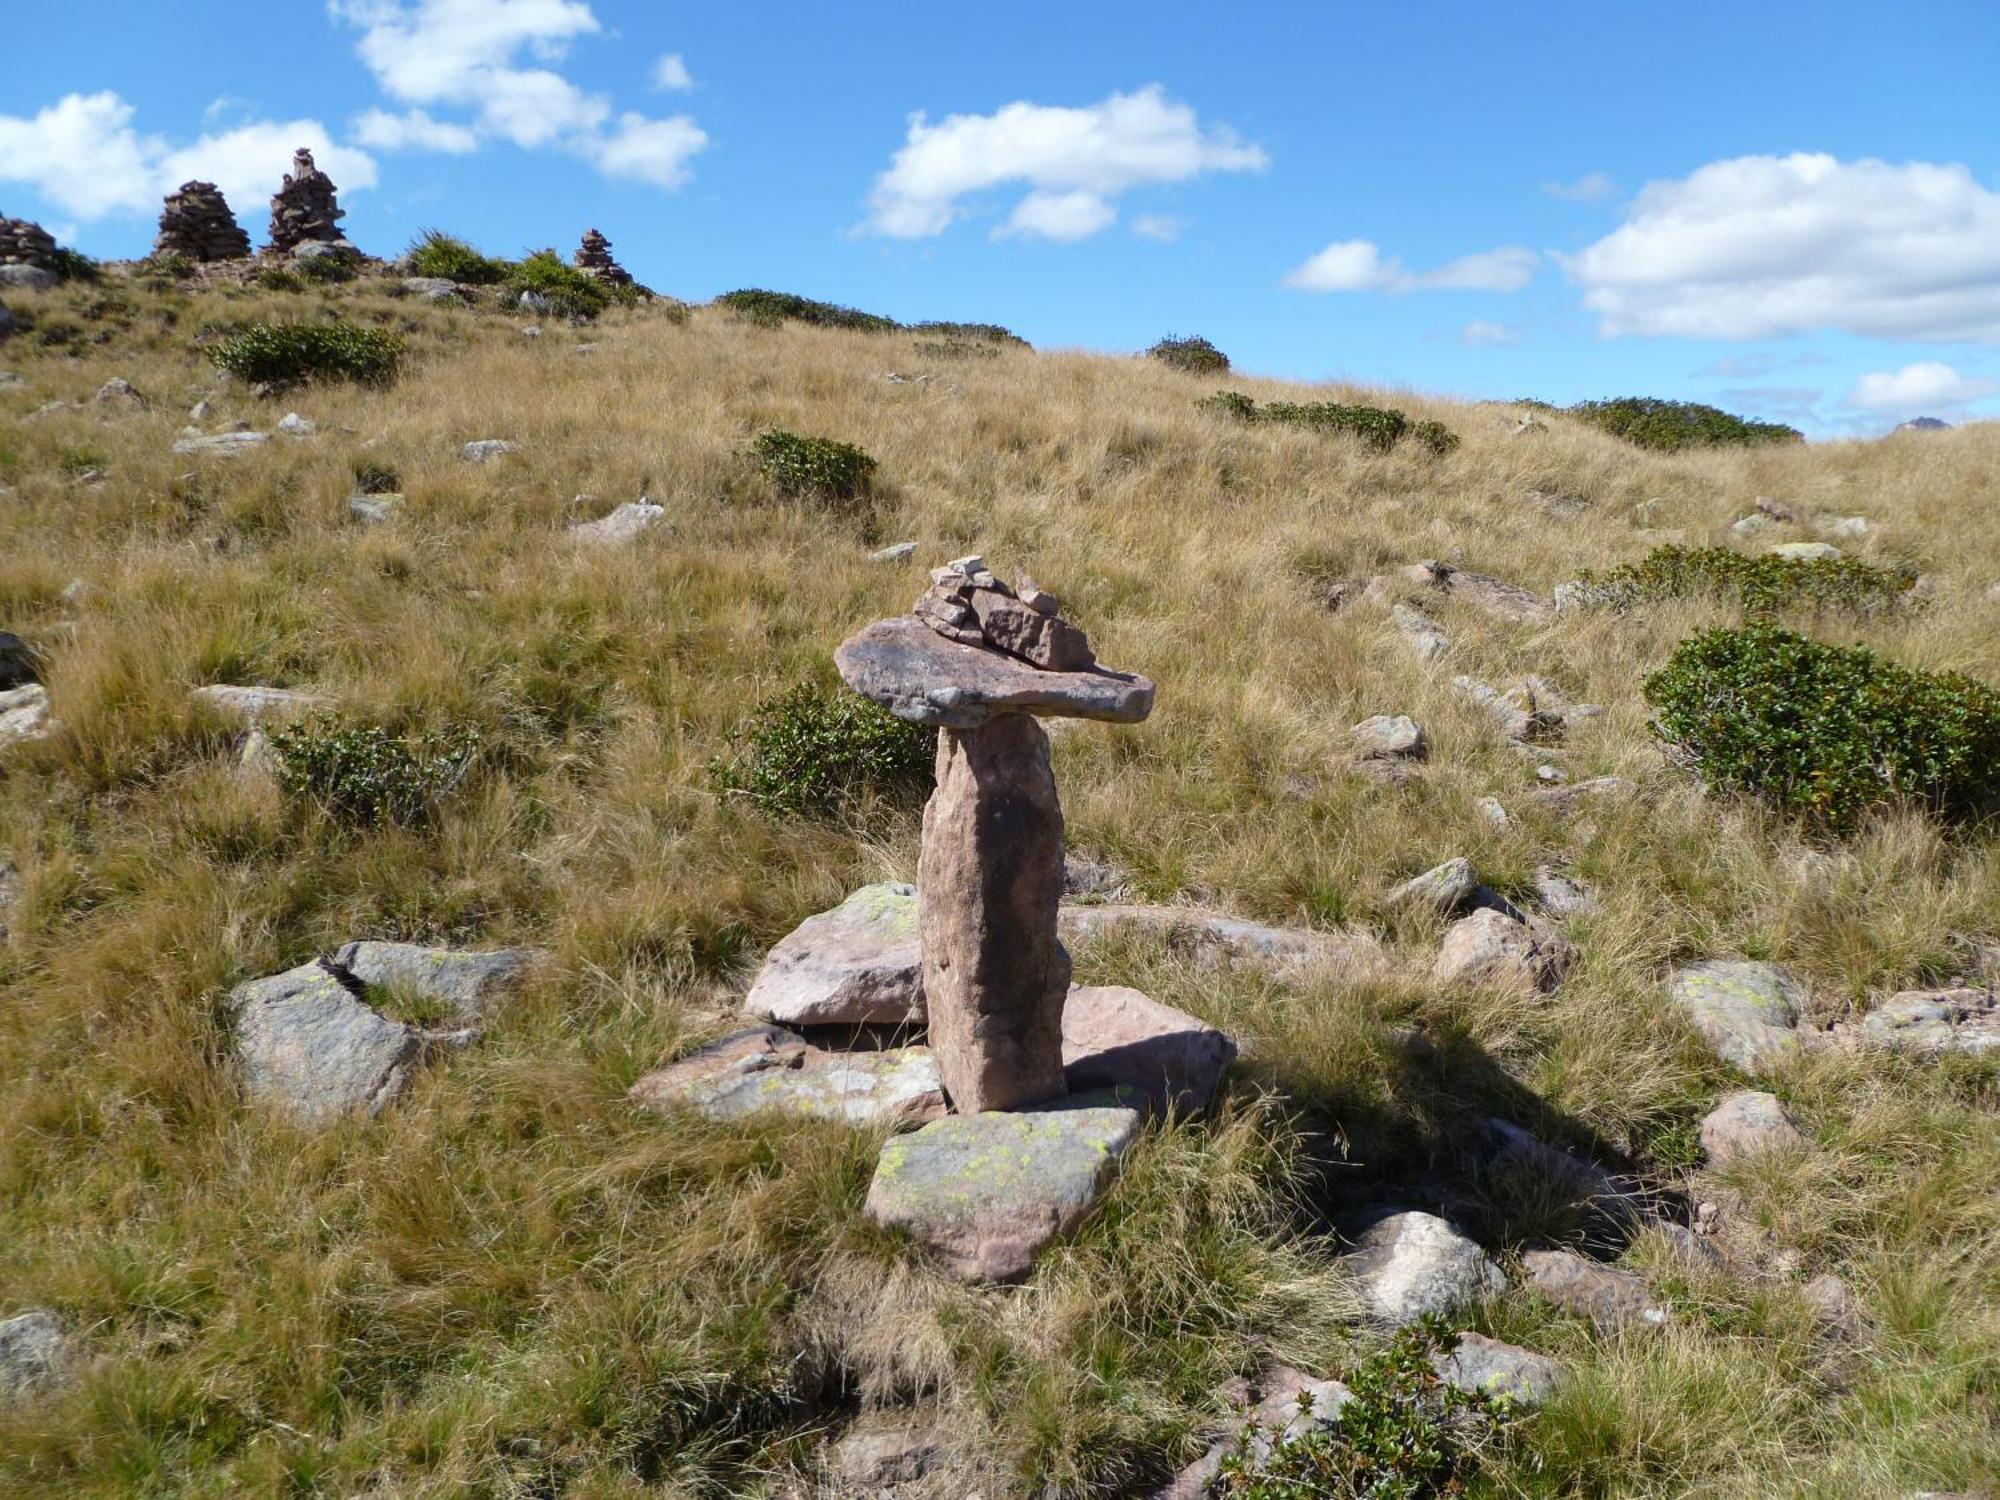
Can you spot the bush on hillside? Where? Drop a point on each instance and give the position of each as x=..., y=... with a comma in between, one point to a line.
x=1191, y=356
x=1827, y=731
x=435, y=253
x=983, y=333
x=289, y=353
x=364, y=775
x=812, y=754
x=1403, y=1434
x=1761, y=584
x=372, y=478
x=327, y=270
x=1668, y=426
x=70, y=265
x=545, y=282
x=770, y=308
x=1379, y=427
x=278, y=279
x=813, y=468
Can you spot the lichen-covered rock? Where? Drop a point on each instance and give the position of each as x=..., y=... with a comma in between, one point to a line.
x=767, y=1070
x=34, y=1351
x=1609, y=1297
x=1486, y=1367
x=1748, y=1011
x=467, y=982
x=1146, y=1053
x=987, y=1192
x=1748, y=1123
x=1961, y=1020
x=859, y=963
x=1493, y=947
x=310, y=1047
x=1413, y=1264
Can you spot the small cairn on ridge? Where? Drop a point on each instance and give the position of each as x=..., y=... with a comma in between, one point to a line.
x=303, y=210
x=24, y=243
x=196, y=222
x=593, y=257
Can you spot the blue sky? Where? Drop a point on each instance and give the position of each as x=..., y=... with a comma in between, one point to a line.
x=1789, y=210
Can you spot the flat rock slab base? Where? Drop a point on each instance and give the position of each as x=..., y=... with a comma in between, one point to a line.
x=987, y=1192
x=856, y=965
x=1148, y=1054
x=766, y=1069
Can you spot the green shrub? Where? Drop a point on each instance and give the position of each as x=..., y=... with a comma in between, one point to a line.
x=278, y=279
x=810, y=754
x=170, y=265
x=563, y=290
x=287, y=353
x=770, y=308
x=1827, y=731
x=1761, y=584
x=1403, y=1434
x=955, y=349
x=978, y=333
x=70, y=265
x=1379, y=427
x=371, y=478
x=1191, y=356
x=364, y=775
x=435, y=253
x=815, y=468
x=1671, y=425
x=326, y=270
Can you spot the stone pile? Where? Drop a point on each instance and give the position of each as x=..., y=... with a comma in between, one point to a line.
x=196, y=222
x=303, y=210
x=594, y=258
x=23, y=243
x=968, y=604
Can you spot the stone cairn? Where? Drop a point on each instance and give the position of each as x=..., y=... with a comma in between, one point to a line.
x=196, y=222
x=23, y=243
x=594, y=258
x=304, y=210
x=981, y=661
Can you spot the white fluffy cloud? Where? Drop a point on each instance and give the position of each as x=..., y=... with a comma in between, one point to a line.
x=413, y=130
x=1764, y=245
x=1073, y=161
x=1164, y=228
x=671, y=74
x=1592, y=187
x=1480, y=334
x=1359, y=266
x=83, y=155
x=1916, y=388
x=495, y=59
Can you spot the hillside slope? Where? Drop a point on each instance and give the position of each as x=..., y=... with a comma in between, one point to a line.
x=515, y=1283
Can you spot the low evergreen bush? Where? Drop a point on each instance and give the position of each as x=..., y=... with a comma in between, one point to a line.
x=435, y=253
x=1191, y=356
x=1668, y=426
x=811, y=754
x=814, y=468
x=981, y=333
x=1381, y=428
x=770, y=308
x=562, y=290
x=326, y=270
x=289, y=353
x=70, y=265
x=366, y=776
x=278, y=279
x=1761, y=584
x=1826, y=731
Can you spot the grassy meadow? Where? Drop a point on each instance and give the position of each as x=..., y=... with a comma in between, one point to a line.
x=515, y=1284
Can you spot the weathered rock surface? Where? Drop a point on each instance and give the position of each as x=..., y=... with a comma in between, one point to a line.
x=485, y=450
x=24, y=715
x=1509, y=601
x=219, y=445
x=920, y=676
x=1748, y=1123
x=1291, y=951
x=1423, y=634
x=989, y=881
x=1492, y=947
x=1412, y=1264
x=765, y=1069
x=118, y=391
x=1804, y=551
x=372, y=510
x=1446, y=889
x=307, y=1045
x=988, y=1191
x=24, y=242
x=195, y=221
x=1560, y=896
x=1610, y=1298
x=887, y=1450
x=470, y=983
x=260, y=704
x=304, y=207
x=25, y=278
x=967, y=604
x=1567, y=799
x=1386, y=737
x=1487, y=1367
x=34, y=1351
x=1748, y=1011
x=859, y=963
x=1961, y=1020
x=895, y=552
x=1150, y=1055
x=623, y=526
x=1519, y=711
x=294, y=425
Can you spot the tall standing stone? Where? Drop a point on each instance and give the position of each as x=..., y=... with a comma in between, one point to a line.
x=196, y=222
x=304, y=208
x=989, y=881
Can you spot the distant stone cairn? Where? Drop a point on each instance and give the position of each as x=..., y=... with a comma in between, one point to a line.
x=303, y=211
x=593, y=257
x=196, y=222
x=24, y=244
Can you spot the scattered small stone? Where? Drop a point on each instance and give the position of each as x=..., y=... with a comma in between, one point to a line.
x=1831, y=1300
x=119, y=390
x=24, y=715
x=622, y=527
x=766, y=1069
x=1447, y=889
x=1609, y=1297
x=1486, y=1367
x=1748, y=1011
x=374, y=509
x=1961, y=1020
x=1566, y=799
x=1560, y=896
x=895, y=553
x=1805, y=551
x=1148, y=1054
x=886, y=1450
x=258, y=704
x=1410, y=1265
x=1509, y=601
x=34, y=1352
x=1290, y=951
x=1421, y=631
x=1748, y=1123
x=988, y=1191
x=1517, y=711
x=1551, y=774
x=296, y=425
x=532, y=331
x=201, y=411
x=485, y=450
x=221, y=445
x=1384, y=737
x=1842, y=528
x=1491, y=810
x=858, y=963
x=1491, y=947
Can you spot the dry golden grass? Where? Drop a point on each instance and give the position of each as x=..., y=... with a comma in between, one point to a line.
x=512, y=1284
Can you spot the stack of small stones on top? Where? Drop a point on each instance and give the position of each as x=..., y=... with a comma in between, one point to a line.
x=196, y=222
x=303, y=209
x=23, y=243
x=966, y=603
x=593, y=256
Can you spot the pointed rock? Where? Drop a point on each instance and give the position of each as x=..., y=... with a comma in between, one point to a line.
x=1413, y=1264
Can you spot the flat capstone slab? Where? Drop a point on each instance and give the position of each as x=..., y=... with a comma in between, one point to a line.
x=920, y=676
x=987, y=1192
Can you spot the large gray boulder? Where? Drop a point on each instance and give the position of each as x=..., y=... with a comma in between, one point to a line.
x=1413, y=1264
x=308, y=1046
x=987, y=1192
x=859, y=963
x=1749, y=1012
